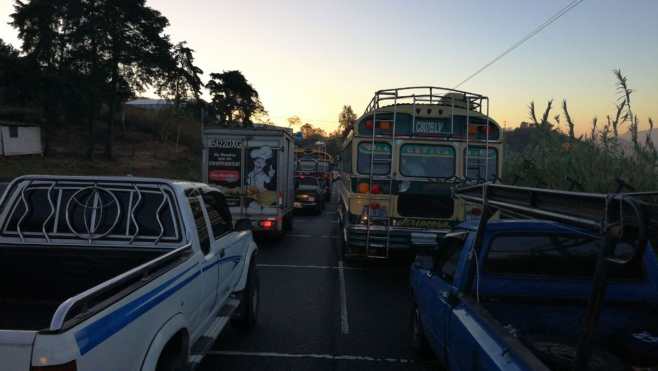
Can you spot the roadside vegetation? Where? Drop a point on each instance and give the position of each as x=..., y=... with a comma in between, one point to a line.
x=80, y=61
x=547, y=153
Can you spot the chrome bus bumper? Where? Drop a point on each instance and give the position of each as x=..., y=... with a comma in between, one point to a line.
x=400, y=238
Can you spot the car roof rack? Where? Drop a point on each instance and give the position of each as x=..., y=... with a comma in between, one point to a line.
x=612, y=216
x=597, y=212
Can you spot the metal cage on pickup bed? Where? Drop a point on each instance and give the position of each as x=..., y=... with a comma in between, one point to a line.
x=610, y=217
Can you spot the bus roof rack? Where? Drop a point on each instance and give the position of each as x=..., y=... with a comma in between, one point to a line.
x=613, y=216
x=426, y=95
x=596, y=212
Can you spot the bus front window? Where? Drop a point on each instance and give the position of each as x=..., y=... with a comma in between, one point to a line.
x=427, y=160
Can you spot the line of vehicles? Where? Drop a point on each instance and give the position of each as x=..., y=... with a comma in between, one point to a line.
x=143, y=274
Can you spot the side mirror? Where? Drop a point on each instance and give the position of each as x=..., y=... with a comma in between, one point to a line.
x=243, y=225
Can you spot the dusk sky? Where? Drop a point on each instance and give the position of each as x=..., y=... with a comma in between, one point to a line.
x=308, y=58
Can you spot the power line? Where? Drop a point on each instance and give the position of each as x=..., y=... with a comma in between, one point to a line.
x=527, y=37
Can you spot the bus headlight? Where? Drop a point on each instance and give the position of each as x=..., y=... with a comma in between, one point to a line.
x=404, y=186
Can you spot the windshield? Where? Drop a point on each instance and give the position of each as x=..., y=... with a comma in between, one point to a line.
x=427, y=160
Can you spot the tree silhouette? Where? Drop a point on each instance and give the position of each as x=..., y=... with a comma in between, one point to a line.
x=233, y=98
x=346, y=119
x=294, y=121
x=182, y=81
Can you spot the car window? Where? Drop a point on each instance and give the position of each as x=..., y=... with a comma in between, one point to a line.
x=200, y=222
x=218, y=213
x=556, y=256
x=447, y=259
x=308, y=181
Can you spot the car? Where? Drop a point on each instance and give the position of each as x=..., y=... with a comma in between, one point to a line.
x=309, y=194
x=516, y=294
x=119, y=273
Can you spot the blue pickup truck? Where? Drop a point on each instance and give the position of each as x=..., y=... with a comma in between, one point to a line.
x=570, y=284
x=514, y=297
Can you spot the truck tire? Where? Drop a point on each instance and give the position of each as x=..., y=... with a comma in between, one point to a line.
x=558, y=357
x=173, y=357
x=419, y=341
x=247, y=312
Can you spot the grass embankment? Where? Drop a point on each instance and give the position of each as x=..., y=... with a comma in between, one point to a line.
x=145, y=147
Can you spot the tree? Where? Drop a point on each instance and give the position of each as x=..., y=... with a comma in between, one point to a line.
x=294, y=121
x=115, y=48
x=233, y=98
x=346, y=118
x=43, y=27
x=182, y=81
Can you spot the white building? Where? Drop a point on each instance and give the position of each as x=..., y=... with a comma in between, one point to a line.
x=20, y=139
x=150, y=104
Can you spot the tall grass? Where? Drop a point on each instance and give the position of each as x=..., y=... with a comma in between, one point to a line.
x=167, y=126
x=555, y=157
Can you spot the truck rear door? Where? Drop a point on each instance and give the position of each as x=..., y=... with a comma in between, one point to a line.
x=262, y=179
x=16, y=349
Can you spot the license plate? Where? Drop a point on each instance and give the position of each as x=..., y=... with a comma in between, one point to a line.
x=297, y=205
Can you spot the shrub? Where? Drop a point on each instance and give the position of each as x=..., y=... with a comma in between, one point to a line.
x=598, y=162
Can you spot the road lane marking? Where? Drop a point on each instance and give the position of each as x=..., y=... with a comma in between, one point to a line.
x=344, y=320
x=308, y=267
x=309, y=355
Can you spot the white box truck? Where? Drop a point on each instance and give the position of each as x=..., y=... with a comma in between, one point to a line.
x=254, y=168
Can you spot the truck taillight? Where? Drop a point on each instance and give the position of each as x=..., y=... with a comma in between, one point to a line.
x=70, y=366
x=266, y=224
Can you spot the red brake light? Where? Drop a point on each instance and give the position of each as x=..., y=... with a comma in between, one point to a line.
x=374, y=205
x=369, y=124
x=70, y=366
x=266, y=224
x=476, y=211
x=376, y=189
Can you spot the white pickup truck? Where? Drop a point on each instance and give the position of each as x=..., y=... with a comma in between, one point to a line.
x=119, y=273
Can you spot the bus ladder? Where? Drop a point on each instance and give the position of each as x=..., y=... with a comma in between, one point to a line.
x=374, y=243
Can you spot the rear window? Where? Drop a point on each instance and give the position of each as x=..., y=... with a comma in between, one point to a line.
x=381, y=163
x=308, y=166
x=482, y=163
x=308, y=181
x=426, y=160
x=555, y=256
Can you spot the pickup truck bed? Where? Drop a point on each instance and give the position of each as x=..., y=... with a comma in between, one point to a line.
x=35, y=280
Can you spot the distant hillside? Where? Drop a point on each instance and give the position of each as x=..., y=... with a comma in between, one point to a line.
x=146, y=147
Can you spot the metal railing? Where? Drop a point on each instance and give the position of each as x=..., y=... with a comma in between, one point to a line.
x=90, y=211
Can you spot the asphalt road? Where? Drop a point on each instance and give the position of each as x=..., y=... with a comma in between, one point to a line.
x=315, y=315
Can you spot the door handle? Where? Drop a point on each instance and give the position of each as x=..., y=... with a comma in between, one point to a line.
x=222, y=253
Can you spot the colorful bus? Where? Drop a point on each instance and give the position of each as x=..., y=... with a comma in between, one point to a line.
x=400, y=161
